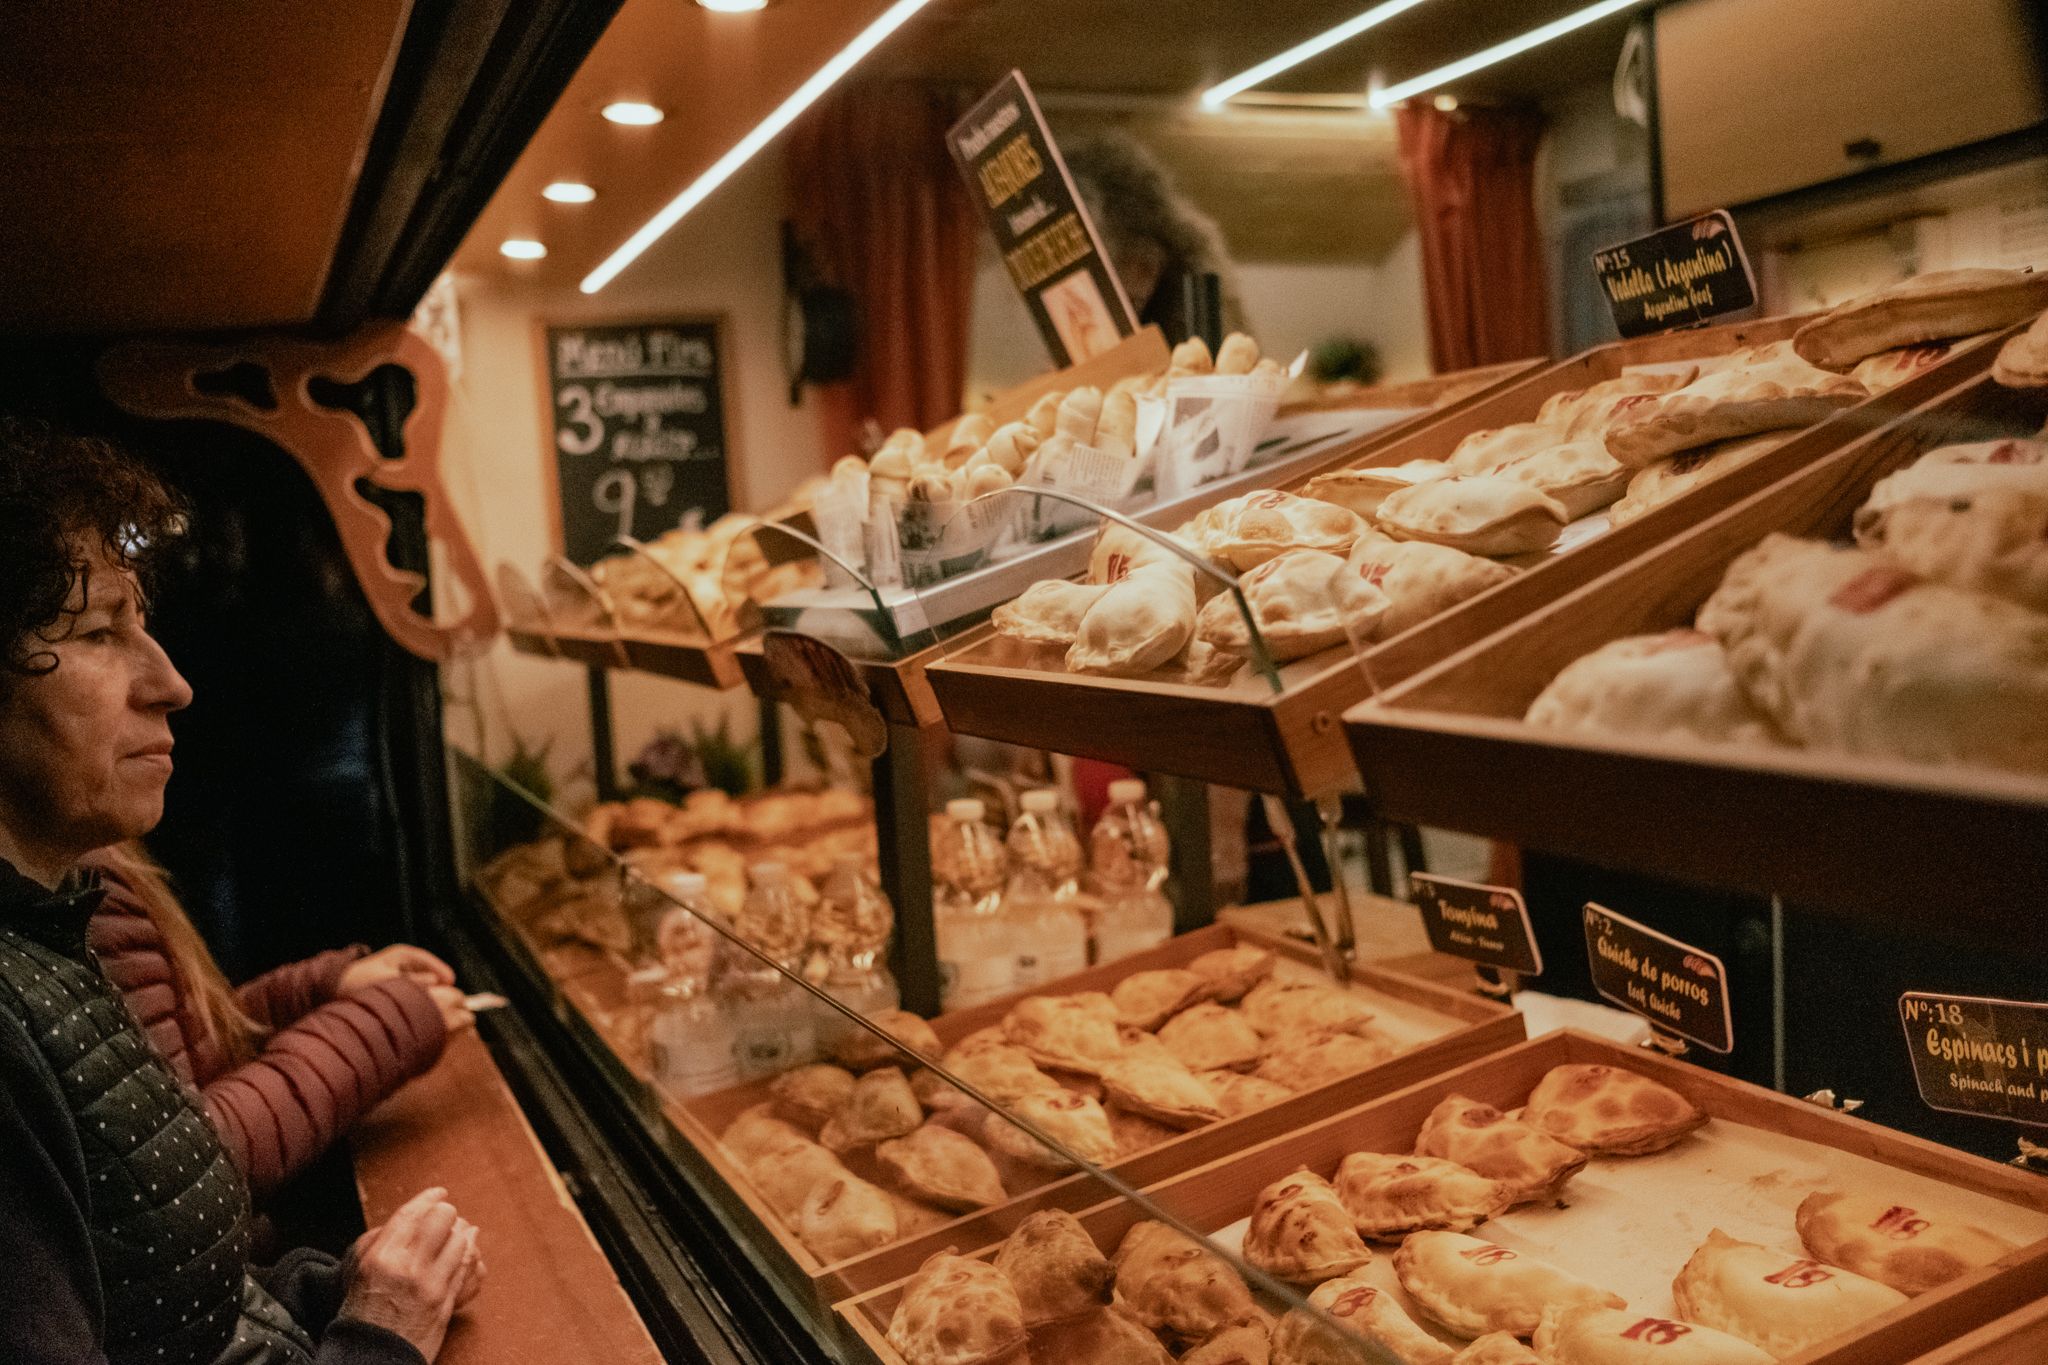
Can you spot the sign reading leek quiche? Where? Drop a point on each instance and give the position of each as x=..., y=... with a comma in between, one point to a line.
x=1972, y=1055
x=1488, y=925
x=1680, y=989
x=1050, y=248
x=1678, y=276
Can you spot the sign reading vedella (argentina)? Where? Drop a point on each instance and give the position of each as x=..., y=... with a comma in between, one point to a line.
x=1687, y=273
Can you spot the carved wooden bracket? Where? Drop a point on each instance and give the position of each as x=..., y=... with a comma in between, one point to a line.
x=266, y=385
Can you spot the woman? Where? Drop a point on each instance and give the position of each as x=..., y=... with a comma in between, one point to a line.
x=124, y=1225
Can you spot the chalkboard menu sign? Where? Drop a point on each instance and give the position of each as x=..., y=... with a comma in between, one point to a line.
x=1488, y=925
x=1678, y=276
x=637, y=419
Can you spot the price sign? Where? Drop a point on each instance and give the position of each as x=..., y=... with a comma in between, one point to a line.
x=1488, y=925
x=1682, y=275
x=1972, y=1055
x=1680, y=989
x=822, y=684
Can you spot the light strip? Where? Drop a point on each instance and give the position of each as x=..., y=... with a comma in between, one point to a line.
x=1217, y=95
x=1500, y=52
x=743, y=151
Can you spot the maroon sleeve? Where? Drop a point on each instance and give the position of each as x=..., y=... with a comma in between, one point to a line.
x=287, y=994
x=315, y=1078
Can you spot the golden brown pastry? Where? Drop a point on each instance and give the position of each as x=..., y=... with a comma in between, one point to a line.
x=1237, y=1093
x=1072, y=1032
x=1192, y=357
x=1971, y=516
x=1483, y=451
x=1888, y=369
x=1531, y=1164
x=1245, y=532
x=1043, y=417
x=1237, y=354
x=1363, y=489
x=1078, y=414
x=1665, y=480
x=757, y=1132
x=1474, y=1287
x=1171, y=1284
x=1610, y=1111
x=942, y=1168
x=1144, y=620
x=1769, y=389
x=1056, y=1267
x=1580, y=475
x=958, y=1311
x=1772, y=1299
x=1296, y=1008
x=1077, y=1122
x=861, y=1050
x=1208, y=1037
x=1481, y=514
x=1104, y=1337
x=1302, y=602
x=786, y=1175
x=1305, y=1061
x=1003, y=1073
x=1932, y=307
x=2022, y=362
x=1389, y=1196
x=1677, y=685
x=845, y=1216
x=1240, y=1343
x=1145, y=1000
x=1231, y=972
x=1136, y=1132
x=1160, y=1089
x=1587, y=1335
x=1496, y=1348
x=881, y=1106
x=1910, y=1248
x=1300, y=1232
x=1586, y=412
x=811, y=1095
x=1369, y=1313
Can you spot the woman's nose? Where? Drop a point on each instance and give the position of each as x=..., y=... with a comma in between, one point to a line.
x=162, y=687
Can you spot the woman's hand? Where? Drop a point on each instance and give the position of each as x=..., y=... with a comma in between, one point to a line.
x=454, y=1007
x=410, y=1275
x=399, y=960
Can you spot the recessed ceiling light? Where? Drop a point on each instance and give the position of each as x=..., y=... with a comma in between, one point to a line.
x=733, y=6
x=522, y=249
x=569, y=192
x=1217, y=95
x=633, y=114
x=1500, y=52
x=1445, y=103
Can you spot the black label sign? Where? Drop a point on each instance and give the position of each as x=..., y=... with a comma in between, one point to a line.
x=1677, y=987
x=1977, y=1056
x=1051, y=249
x=639, y=431
x=1484, y=924
x=1676, y=277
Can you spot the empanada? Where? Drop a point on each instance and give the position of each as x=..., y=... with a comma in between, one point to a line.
x=1421, y=580
x=1305, y=1061
x=1772, y=1299
x=1931, y=307
x=1240, y=1343
x=1003, y=1073
x=1136, y=1132
x=1058, y=1271
x=1668, y=479
x=1160, y=1090
x=1888, y=369
x=1580, y=474
x=1362, y=490
x=1995, y=541
x=1297, y=1008
x=811, y=1095
x=1145, y=1000
x=942, y=1168
x=1609, y=1110
x=1303, y=602
x=881, y=1106
x=1481, y=514
x=1141, y=623
x=1370, y=1315
x=1474, y=1287
x=1208, y=1037
x=1245, y=532
x=1771, y=388
x=786, y=1175
x=1299, y=1232
x=845, y=1216
x=1532, y=1165
x=2022, y=362
x=1912, y=1249
x=860, y=1050
x=958, y=1311
x=1172, y=1284
x=1586, y=412
x=1104, y=1337
x=1388, y=1195
x=1048, y=613
x=1077, y=1122
x=1072, y=1032
x=1960, y=471
x=1237, y=1093
x=1483, y=451
x=1677, y=685
x=1617, y=1336
x=757, y=1132
x=1231, y=972
x=1496, y=1348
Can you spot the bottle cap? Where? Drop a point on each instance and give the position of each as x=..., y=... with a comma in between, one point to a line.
x=1041, y=801
x=681, y=886
x=1125, y=790
x=965, y=808
x=761, y=873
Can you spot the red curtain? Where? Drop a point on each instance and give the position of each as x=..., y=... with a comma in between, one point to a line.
x=880, y=207
x=1471, y=176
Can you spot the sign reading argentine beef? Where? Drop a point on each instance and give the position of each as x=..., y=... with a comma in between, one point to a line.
x=639, y=430
x=1488, y=925
x=1977, y=1056
x=1051, y=249
x=1680, y=989
x=1678, y=276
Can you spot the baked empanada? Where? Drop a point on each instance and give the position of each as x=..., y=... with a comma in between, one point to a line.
x=1303, y=602
x=1166, y=1091
x=1389, y=1196
x=1771, y=388
x=1297, y=1008
x=1888, y=369
x=1145, y=1000
x=1136, y=1132
x=1586, y=412
x=1003, y=1073
x=1995, y=541
x=811, y=1095
x=1481, y=514
x=1610, y=1111
x=1370, y=1315
x=1077, y=1122
x=1237, y=1093
x=942, y=1168
x=1231, y=972
x=1141, y=623
x=1677, y=685
x=1208, y=1037
x=1300, y=1232
x=1580, y=475
x=786, y=1175
x=860, y=1050
x=1421, y=580
x=1687, y=470
x=845, y=1216
x=1104, y=1337
x=1532, y=1165
x=1058, y=1271
x=1172, y=1284
x=882, y=1106
x=1072, y=1032
x=1772, y=1299
x=1618, y=1336
x=1303, y=1062
x=1048, y=613
x=1241, y=1343
x=1911, y=1249
x=1483, y=451
x=2022, y=362
x=1474, y=1287
x=757, y=1132
x=1363, y=490
x=1496, y=1348
x=1931, y=307
x=958, y=1311
x=1245, y=532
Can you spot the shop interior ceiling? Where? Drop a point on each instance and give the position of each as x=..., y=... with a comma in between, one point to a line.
x=1303, y=181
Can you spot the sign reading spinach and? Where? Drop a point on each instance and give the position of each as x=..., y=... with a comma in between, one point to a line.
x=1678, y=276
x=1050, y=248
x=1681, y=990
x=638, y=430
x=1973, y=1055
x=1488, y=925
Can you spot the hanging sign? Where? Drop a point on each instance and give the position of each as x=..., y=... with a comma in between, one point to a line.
x=1488, y=925
x=1050, y=248
x=637, y=422
x=1680, y=989
x=819, y=684
x=1977, y=1056
x=1678, y=276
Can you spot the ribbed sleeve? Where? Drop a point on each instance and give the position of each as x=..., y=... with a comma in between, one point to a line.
x=289, y=993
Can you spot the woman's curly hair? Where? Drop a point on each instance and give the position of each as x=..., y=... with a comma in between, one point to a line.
x=67, y=502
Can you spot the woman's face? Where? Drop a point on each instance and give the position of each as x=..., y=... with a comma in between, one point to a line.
x=85, y=749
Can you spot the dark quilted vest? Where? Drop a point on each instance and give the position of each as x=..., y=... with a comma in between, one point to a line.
x=168, y=1211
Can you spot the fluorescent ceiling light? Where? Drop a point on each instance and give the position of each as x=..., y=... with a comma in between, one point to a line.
x=1500, y=52
x=522, y=249
x=1217, y=95
x=633, y=114
x=568, y=192
x=733, y=6
x=743, y=151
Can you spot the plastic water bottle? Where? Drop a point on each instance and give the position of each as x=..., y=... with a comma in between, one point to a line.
x=774, y=1023
x=1042, y=897
x=690, y=1041
x=850, y=929
x=977, y=953
x=1128, y=853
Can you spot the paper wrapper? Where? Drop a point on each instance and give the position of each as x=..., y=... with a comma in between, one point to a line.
x=840, y=512
x=940, y=539
x=1213, y=424
x=1100, y=476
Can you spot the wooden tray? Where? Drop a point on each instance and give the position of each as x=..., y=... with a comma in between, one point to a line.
x=690, y=660
x=1246, y=734
x=1865, y=835
x=2018, y=1338
x=1218, y=1195
x=1476, y=1027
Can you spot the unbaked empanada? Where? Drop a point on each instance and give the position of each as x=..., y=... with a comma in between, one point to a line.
x=786, y=1175
x=1421, y=580
x=1586, y=412
x=1172, y=1284
x=1580, y=475
x=757, y=1132
x=1241, y=1343
x=1483, y=451
x=1072, y=1032
x=1058, y=1271
x=1617, y=1336
x=1771, y=388
x=1300, y=1232
x=1145, y=1000
x=1931, y=307
x=1677, y=685
x=1077, y=1122
x=1104, y=1337
x=958, y=1311
x=1910, y=1248
x=1369, y=1313
x=1048, y=613
x=1609, y=1110
x=1481, y=514
x=1245, y=532
x=1474, y=1287
x=941, y=1167
x=1305, y=1061
x=811, y=1095
x=1496, y=1348
x=1303, y=602
x=881, y=1106
x=1532, y=1165
x=1208, y=1037
x=1772, y=1299
x=1231, y=972
x=1141, y=623
x=1297, y=1008
x=860, y=1050
x=1362, y=490
x=1162, y=1090
x=1687, y=470
x=1389, y=1196
x=845, y=1216
x=1237, y=1093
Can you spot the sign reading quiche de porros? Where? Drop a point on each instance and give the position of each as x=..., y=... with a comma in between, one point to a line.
x=1973, y=1055
x=1681, y=990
